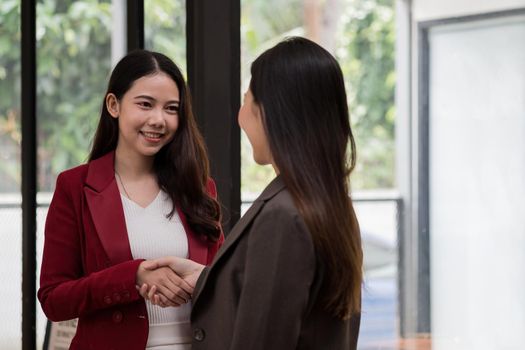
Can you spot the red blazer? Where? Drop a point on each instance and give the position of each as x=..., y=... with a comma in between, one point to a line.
x=88, y=271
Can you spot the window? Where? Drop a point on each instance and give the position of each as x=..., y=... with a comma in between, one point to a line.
x=165, y=29
x=10, y=176
x=73, y=64
x=476, y=129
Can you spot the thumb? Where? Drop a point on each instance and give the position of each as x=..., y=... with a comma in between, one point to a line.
x=164, y=261
x=150, y=265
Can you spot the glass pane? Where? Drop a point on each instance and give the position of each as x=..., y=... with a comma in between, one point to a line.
x=378, y=218
x=263, y=24
x=165, y=29
x=73, y=65
x=10, y=177
x=477, y=185
x=361, y=35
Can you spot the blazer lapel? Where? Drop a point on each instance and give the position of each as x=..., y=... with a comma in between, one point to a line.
x=234, y=235
x=271, y=190
x=105, y=206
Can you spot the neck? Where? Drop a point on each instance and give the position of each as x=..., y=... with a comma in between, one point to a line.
x=275, y=168
x=132, y=165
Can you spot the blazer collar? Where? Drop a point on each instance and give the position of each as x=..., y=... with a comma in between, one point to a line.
x=276, y=186
x=101, y=172
x=103, y=199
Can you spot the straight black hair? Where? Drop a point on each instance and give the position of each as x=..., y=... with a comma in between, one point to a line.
x=300, y=90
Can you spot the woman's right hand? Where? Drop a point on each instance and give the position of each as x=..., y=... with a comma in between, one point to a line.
x=187, y=269
x=171, y=289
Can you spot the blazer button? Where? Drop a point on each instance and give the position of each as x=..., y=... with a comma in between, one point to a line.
x=198, y=334
x=126, y=294
x=107, y=299
x=116, y=297
x=117, y=317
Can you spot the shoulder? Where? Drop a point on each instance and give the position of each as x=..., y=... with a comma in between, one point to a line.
x=69, y=187
x=76, y=172
x=76, y=175
x=281, y=218
x=282, y=202
x=281, y=209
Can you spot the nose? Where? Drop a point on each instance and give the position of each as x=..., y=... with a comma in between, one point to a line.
x=156, y=118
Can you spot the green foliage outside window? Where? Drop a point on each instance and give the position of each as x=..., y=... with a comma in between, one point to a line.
x=74, y=60
x=364, y=46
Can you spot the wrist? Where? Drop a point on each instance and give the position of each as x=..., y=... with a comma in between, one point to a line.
x=139, y=277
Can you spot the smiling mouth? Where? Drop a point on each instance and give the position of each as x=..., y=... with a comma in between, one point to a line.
x=152, y=135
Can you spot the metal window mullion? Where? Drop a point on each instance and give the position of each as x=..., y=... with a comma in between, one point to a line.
x=213, y=56
x=135, y=24
x=29, y=173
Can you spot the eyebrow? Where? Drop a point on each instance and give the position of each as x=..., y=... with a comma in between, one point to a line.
x=149, y=98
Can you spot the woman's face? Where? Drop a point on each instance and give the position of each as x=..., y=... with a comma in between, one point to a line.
x=148, y=114
x=250, y=120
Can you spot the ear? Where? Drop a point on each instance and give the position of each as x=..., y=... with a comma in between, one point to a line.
x=113, y=105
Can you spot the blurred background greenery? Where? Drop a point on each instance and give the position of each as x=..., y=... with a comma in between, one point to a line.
x=74, y=61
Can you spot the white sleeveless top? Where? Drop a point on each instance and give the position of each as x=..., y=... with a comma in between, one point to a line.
x=152, y=235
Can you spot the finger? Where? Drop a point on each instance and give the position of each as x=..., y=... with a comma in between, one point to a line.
x=152, y=292
x=183, y=284
x=150, y=265
x=178, y=301
x=177, y=293
x=165, y=301
x=143, y=291
x=161, y=303
x=173, y=293
x=165, y=261
x=185, y=288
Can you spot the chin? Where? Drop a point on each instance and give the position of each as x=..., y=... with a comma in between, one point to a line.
x=150, y=152
x=260, y=161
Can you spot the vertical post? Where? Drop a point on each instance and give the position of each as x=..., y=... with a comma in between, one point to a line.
x=213, y=55
x=407, y=238
x=29, y=174
x=135, y=31
x=119, y=25
x=423, y=182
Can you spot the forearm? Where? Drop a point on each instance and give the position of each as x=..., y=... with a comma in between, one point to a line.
x=65, y=299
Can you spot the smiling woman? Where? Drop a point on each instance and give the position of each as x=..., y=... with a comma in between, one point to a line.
x=147, y=115
x=99, y=230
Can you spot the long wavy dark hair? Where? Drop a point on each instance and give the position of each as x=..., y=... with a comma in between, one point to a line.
x=300, y=89
x=182, y=165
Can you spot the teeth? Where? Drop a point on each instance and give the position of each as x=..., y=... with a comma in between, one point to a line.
x=152, y=135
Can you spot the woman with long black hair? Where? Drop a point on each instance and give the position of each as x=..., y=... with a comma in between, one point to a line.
x=289, y=274
x=145, y=193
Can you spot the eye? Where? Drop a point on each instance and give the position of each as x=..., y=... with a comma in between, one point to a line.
x=144, y=104
x=174, y=109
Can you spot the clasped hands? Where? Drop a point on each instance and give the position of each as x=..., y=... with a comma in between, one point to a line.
x=168, y=281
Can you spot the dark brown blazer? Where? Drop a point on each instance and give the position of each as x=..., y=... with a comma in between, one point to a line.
x=262, y=290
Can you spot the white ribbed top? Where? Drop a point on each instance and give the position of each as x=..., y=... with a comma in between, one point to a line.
x=152, y=235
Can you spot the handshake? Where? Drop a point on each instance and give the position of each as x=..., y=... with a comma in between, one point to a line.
x=168, y=281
